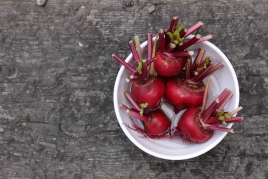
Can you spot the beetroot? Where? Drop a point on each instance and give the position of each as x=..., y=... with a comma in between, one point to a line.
x=168, y=66
x=171, y=57
x=149, y=91
x=187, y=89
x=156, y=124
x=196, y=126
x=145, y=88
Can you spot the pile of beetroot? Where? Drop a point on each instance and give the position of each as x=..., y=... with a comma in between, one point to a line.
x=179, y=82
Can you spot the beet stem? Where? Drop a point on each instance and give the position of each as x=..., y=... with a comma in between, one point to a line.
x=153, y=55
x=183, y=32
x=188, y=69
x=161, y=40
x=214, y=120
x=120, y=60
x=205, y=97
x=194, y=28
x=202, y=73
x=144, y=69
x=150, y=45
x=224, y=101
x=208, y=37
x=215, y=68
x=181, y=54
x=134, y=51
x=132, y=100
x=198, y=58
x=137, y=115
x=151, y=61
x=234, y=119
x=173, y=24
x=213, y=127
x=132, y=75
x=213, y=106
x=138, y=46
x=189, y=42
x=123, y=107
x=236, y=111
x=170, y=47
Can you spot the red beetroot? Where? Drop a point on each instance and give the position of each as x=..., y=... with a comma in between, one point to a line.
x=145, y=88
x=184, y=95
x=171, y=57
x=168, y=66
x=149, y=91
x=187, y=89
x=196, y=126
x=191, y=128
x=156, y=124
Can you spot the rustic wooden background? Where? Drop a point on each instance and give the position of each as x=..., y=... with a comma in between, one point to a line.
x=56, y=88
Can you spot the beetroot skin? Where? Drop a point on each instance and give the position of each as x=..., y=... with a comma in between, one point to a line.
x=149, y=91
x=191, y=128
x=157, y=123
x=184, y=95
x=168, y=66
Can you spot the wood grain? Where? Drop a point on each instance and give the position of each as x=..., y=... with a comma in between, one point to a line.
x=56, y=97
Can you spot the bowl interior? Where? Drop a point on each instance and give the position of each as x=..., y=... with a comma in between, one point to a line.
x=176, y=149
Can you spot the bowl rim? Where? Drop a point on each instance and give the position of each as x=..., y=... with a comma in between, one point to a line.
x=198, y=153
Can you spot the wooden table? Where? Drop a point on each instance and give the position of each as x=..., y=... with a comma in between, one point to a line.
x=57, y=76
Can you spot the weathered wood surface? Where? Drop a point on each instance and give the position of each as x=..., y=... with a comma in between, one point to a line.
x=57, y=118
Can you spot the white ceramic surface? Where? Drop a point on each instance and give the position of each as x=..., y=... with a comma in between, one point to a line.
x=176, y=149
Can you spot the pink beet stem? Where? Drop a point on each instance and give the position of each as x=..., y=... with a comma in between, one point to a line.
x=214, y=120
x=151, y=61
x=138, y=46
x=215, y=68
x=129, y=80
x=131, y=76
x=207, y=72
x=207, y=113
x=173, y=24
x=202, y=72
x=225, y=92
x=134, y=51
x=144, y=69
x=208, y=37
x=120, y=60
x=181, y=54
x=123, y=107
x=183, y=32
x=207, y=60
x=150, y=46
x=236, y=110
x=189, y=42
x=234, y=119
x=214, y=127
x=161, y=40
x=224, y=101
x=194, y=28
x=188, y=69
x=205, y=96
x=198, y=58
x=209, y=110
x=137, y=115
x=170, y=47
x=132, y=100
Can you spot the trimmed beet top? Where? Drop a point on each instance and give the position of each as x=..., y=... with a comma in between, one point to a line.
x=146, y=87
x=197, y=125
x=187, y=89
x=171, y=56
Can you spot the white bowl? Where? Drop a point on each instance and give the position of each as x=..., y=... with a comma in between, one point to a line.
x=176, y=149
